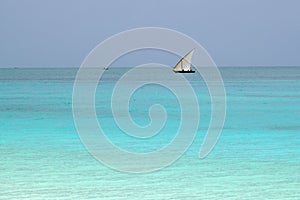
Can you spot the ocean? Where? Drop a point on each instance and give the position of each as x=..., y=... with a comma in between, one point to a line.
x=256, y=157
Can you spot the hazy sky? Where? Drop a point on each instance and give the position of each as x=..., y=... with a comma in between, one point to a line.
x=234, y=32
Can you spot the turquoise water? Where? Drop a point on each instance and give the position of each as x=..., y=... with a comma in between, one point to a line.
x=256, y=157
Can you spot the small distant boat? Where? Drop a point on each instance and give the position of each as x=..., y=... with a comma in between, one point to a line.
x=184, y=65
x=105, y=68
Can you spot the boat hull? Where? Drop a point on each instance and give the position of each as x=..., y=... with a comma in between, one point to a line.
x=185, y=71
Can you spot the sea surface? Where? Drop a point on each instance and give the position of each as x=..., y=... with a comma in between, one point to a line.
x=257, y=155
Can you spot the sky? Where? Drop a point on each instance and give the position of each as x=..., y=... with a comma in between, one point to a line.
x=60, y=33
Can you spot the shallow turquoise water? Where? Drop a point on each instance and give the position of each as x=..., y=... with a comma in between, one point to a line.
x=256, y=157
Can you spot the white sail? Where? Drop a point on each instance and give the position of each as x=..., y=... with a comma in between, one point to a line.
x=185, y=63
x=177, y=66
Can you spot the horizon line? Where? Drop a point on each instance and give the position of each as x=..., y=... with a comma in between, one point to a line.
x=55, y=67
